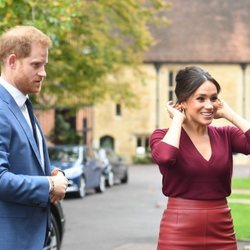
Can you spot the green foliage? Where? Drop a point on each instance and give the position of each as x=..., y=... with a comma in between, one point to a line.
x=142, y=159
x=63, y=133
x=240, y=196
x=241, y=218
x=240, y=210
x=241, y=183
x=91, y=39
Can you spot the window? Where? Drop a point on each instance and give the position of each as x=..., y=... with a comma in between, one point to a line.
x=147, y=143
x=84, y=130
x=118, y=109
x=171, y=78
x=107, y=142
x=142, y=144
x=171, y=86
x=139, y=141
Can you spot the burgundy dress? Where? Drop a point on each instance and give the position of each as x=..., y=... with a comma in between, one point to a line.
x=197, y=215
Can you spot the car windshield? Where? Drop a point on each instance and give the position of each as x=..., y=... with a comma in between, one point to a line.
x=64, y=154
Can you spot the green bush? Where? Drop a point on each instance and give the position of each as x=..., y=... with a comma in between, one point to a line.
x=142, y=159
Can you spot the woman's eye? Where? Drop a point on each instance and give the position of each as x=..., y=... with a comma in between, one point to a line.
x=214, y=99
x=200, y=99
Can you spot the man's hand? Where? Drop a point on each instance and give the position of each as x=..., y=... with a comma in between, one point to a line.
x=59, y=185
x=56, y=171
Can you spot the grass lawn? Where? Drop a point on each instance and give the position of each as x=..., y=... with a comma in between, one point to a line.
x=241, y=211
x=241, y=183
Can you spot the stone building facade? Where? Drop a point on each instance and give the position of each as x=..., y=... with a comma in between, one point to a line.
x=212, y=34
x=131, y=128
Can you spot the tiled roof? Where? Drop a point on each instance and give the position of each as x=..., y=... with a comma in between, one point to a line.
x=210, y=31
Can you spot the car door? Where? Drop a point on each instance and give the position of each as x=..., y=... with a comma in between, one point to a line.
x=91, y=169
x=119, y=168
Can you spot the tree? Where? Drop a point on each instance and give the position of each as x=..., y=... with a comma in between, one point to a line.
x=63, y=132
x=91, y=39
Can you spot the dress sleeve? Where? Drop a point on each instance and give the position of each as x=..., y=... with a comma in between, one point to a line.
x=162, y=153
x=240, y=141
x=247, y=133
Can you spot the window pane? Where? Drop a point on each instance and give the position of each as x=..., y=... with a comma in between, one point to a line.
x=118, y=110
x=139, y=142
x=170, y=79
x=170, y=95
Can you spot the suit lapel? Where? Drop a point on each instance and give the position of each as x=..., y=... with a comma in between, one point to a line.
x=6, y=97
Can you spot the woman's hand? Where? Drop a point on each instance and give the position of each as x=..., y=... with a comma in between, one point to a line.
x=223, y=111
x=175, y=110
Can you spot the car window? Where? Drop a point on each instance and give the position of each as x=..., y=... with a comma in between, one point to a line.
x=64, y=154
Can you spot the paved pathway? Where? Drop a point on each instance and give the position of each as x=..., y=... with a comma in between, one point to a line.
x=240, y=172
x=240, y=200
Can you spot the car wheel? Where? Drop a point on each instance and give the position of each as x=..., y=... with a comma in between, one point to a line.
x=110, y=180
x=82, y=188
x=53, y=241
x=101, y=187
x=125, y=178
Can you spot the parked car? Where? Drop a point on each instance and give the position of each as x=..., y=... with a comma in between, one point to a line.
x=106, y=166
x=81, y=166
x=118, y=166
x=58, y=224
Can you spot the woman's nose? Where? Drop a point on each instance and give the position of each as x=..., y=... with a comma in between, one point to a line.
x=208, y=105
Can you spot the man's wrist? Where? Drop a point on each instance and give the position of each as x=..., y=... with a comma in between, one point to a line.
x=52, y=185
x=61, y=171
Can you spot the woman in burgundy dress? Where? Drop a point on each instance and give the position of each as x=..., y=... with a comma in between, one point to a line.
x=195, y=160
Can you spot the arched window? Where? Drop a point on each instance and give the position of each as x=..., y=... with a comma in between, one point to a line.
x=107, y=142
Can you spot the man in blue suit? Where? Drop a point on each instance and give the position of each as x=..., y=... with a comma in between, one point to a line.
x=27, y=182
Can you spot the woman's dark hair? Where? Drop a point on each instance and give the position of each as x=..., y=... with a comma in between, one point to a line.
x=189, y=79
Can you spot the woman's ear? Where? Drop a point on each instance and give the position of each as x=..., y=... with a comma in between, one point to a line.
x=183, y=105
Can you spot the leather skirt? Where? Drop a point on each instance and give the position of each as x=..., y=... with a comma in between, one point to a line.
x=196, y=225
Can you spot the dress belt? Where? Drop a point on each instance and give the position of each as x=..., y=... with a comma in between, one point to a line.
x=196, y=204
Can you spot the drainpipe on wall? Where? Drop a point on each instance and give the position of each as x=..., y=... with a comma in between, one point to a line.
x=87, y=126
x=243, y=67
x=92, y=124
x=157, y=66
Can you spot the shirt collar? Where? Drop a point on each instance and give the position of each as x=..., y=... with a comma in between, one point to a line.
x=18, y=96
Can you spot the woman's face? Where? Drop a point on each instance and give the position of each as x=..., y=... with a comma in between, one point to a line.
x=202, y=105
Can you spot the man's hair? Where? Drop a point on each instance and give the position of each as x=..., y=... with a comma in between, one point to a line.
x=19, y=39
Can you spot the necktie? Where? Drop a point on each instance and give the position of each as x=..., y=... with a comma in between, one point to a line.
x=32, y=119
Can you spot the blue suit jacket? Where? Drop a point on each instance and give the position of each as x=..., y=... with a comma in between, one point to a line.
x=24, y=189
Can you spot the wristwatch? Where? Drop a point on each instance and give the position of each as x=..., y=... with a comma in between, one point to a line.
x=61, y=171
